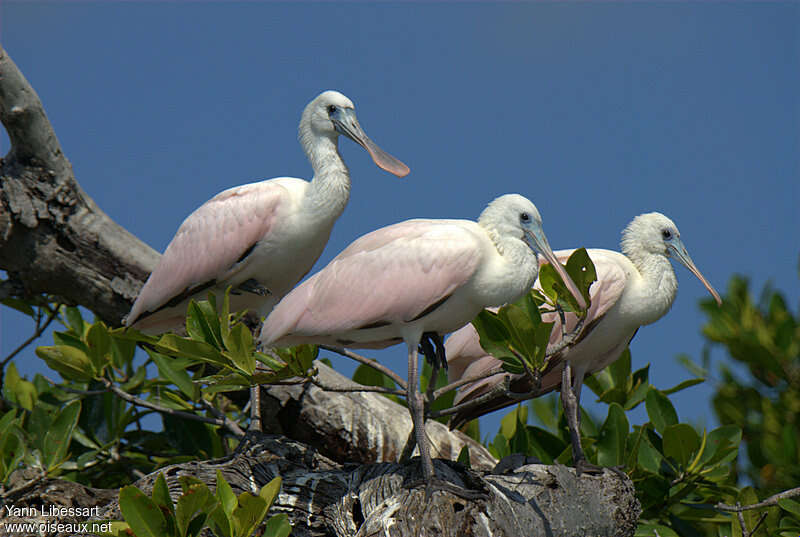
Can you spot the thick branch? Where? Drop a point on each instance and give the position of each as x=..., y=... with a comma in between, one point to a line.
x=48, y=222
x=355, y=427
x=324, y=498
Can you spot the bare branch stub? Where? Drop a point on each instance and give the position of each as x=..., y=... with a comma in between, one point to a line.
x=47, y=221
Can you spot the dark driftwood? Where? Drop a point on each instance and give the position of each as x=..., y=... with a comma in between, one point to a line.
x=55, y=240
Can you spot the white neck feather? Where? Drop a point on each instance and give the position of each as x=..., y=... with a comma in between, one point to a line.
x=654, y=291
x=522, y=265
x=329, y=191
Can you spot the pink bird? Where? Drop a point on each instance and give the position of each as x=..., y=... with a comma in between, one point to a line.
x=416, y=278
x=260, y=238
x=633, y=289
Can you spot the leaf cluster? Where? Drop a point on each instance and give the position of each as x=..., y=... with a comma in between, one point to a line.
x=197, y=508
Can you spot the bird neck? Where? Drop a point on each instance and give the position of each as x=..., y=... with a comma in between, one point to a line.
x=519, y=258
x=656, y=287
x=329, y=190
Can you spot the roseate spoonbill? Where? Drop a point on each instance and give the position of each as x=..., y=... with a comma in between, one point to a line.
x=633, y=289
x=415, y=278
x=260, y=238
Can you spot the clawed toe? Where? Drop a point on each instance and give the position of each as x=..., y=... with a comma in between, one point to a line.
x=437, y=484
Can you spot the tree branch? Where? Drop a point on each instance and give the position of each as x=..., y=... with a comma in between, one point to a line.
x=47, y=221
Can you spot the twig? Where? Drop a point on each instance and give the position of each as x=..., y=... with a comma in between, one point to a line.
x=566, y=340
x=457, y=384
x=74, y=390
x=40, y=328
x=500, y=389
x=758, y=523
x=367, y=361
x=357, y=388
x=231, y=425
x=769, y=502
x=169, y=411
x=27, y=485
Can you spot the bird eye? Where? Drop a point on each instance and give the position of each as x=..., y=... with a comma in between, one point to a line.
x=525, y=217
x=667, y=234
x=331, y=109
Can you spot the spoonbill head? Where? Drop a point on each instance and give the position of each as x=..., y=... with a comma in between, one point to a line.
x=260, y=238
x=633, y=289
x=412, y=278
x=331, y=114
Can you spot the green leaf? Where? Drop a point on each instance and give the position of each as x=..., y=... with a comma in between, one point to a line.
x=650, y=458
x=18, y=390
x=161, y=495
x=680, y=442
x=249, y=514
x=240, y=348
x=269, y=492
x=683, y=385
x=74, y=319
x=117, y=528
x=58, y=437
x=189, y=348
x=582, y=271
x=660, y=410
x=463, y=457
x=19, y=305
x=509, y=423
x=122, y=351
x=202, y=323
x=72, y=363
x=141, y=513
x=613, y=436
x=494, y=336
x=544, y=445
x=720, y=442
x=178, y=376
x=790, y=506
x=278, y=526
x=98, y=344
x=191, y=506
x=225, y=494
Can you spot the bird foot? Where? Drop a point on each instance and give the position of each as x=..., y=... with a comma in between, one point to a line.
x=585, y=467
x=435, y=484
x=582, y=466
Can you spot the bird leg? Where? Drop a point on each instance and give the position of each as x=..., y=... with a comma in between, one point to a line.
x=251, y=286
x=417, y=408
x=572, y=409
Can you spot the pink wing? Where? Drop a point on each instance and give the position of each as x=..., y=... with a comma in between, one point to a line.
x=210, y=242
x=388, y=276
x=463, y=348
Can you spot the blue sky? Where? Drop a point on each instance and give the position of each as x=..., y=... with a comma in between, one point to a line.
x=596, y=112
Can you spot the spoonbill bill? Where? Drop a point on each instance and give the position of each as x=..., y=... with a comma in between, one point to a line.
x=260, y=238
x=633, y=289
x=415, y=278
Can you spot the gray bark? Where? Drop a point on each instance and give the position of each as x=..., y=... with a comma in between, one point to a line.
x=356, y=427
x=326, y=498
x=55, y=240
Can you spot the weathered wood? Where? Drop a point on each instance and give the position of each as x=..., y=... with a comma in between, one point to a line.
x=48, y=222
x=355, y=427
x=324, y=498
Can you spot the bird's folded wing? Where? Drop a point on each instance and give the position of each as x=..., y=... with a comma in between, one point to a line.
x=211, y=242
x=389, y=276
